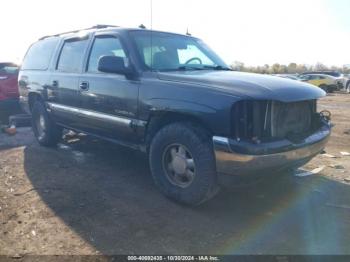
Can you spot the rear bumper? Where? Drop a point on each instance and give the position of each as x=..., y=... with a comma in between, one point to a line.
x=8, y=104
x=241, y=158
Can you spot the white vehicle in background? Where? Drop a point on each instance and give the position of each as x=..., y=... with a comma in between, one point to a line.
x=288, y=76
x=347, y=85
x=326, y=82
x=343, y=81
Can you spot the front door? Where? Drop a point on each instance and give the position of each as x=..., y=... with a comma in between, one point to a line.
x=108, y=101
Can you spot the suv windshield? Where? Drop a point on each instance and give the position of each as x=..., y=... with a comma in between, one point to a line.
x=168, y=52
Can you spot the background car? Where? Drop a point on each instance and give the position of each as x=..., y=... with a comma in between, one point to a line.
x=289, y=76
x=326, y=82
x=342, y=80
x=347, y=85
x=8, y=83
x=8, y=90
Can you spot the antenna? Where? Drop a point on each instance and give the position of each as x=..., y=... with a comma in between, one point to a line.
x=151, y=6
x=187, y=33
x=151, y=1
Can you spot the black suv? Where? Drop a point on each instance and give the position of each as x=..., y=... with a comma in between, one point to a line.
x=172, y=97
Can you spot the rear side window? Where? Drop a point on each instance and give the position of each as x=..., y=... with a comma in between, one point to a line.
x=8, y=69
x=72, y=55
x=39, y=54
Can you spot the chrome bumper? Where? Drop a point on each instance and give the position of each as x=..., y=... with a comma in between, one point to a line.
x=240, y=158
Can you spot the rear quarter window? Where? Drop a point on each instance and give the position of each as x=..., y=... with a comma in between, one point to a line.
x=39, y=54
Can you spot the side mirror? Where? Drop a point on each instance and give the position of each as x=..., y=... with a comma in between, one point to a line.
x=113, y=64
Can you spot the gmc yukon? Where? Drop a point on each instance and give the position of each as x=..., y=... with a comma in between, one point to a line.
x=172, y=97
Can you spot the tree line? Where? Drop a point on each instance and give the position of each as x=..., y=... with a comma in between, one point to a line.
x=291, y=68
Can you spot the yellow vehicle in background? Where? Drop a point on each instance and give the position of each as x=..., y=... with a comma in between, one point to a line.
x=328, y=83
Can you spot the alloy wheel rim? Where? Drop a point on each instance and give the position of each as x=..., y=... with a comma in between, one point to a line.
x=179, y=165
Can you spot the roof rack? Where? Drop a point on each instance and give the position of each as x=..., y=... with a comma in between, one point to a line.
x=76, y=31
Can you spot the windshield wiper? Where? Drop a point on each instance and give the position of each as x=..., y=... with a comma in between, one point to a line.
x=189, y=68
x=218, y=67
x=204, y=67
x=182, y=68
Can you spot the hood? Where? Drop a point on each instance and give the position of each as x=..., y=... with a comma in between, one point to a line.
x=247, y=85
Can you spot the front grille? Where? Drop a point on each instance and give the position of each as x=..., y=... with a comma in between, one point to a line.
x=271, y=120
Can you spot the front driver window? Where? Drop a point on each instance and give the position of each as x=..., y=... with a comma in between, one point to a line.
x=104, y=46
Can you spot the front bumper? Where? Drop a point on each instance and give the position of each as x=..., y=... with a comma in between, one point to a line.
x=241, y=158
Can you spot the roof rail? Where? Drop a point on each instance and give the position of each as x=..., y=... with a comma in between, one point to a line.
x=99, y=26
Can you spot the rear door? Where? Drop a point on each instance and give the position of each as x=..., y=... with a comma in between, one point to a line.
x=108, y=100
x=64, y=82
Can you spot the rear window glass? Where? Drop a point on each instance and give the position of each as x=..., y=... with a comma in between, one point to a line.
x=8, y=69
x=39, y=54
x=72, y=55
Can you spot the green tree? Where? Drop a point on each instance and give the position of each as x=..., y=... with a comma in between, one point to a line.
x=292, y=68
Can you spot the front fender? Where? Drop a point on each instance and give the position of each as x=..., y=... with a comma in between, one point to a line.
x=215, y=119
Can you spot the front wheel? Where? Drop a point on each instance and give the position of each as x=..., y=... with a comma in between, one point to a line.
x=45, y=130
x=183, y=163
x=325, y=88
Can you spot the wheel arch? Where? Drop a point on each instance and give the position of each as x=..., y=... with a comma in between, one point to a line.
x=159, y=119
x=32, y=97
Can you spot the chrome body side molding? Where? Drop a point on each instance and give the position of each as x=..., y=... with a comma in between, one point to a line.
x=122, y=121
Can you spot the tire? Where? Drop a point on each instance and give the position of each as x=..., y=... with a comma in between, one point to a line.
x=324, y=88
x=45, y=130
x=172, y=147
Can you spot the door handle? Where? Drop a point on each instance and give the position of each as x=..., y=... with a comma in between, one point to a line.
x=84, y=86
x=54, y=83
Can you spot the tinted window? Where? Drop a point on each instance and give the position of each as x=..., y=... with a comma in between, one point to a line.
x=8, y=69
x=39, y=54
x=72, y=55
x=104, y=46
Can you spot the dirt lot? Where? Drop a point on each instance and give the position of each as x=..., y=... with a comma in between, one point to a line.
x=92, y=197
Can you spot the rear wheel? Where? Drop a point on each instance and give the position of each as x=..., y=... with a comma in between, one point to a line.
x=324, y=88
x=183, y=163
x=45, y=130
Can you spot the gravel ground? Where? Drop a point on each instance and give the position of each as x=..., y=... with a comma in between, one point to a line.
x=91, y=197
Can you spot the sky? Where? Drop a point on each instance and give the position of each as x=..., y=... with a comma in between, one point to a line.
x=255, y=32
